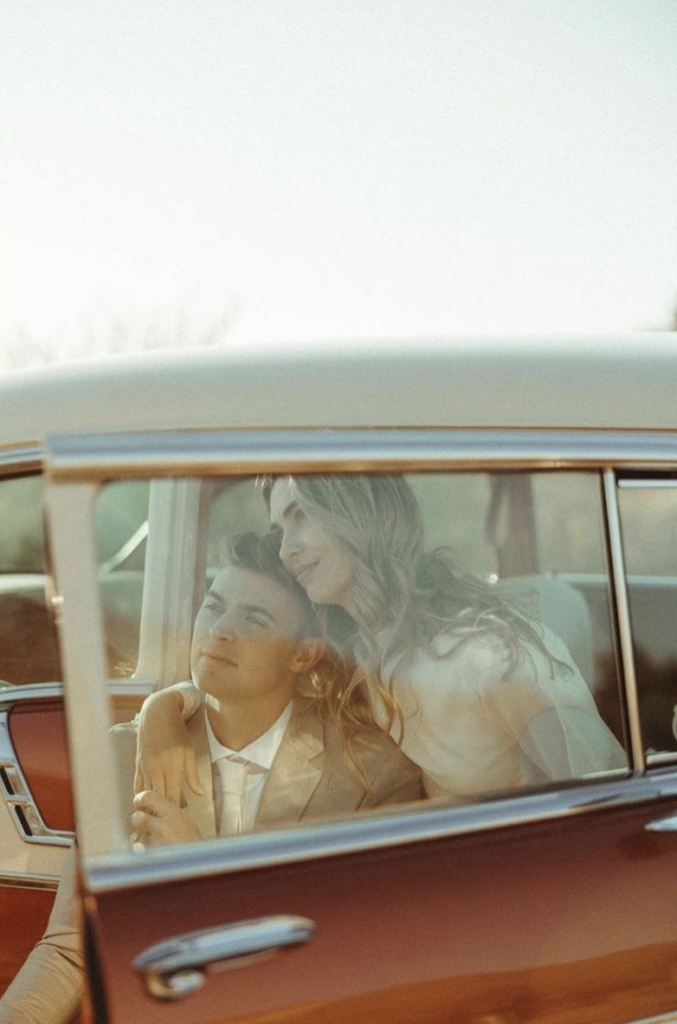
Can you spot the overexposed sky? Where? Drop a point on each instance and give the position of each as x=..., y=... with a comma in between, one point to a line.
x=324, y=168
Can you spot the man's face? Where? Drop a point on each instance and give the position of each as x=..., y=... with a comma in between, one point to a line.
x=245, y=639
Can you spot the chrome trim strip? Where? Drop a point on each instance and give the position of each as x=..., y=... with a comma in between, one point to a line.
x=21, y=804
x=376, y=830
x=626, y=483
x=128, y=548
x=28, y=692
x=29, y=880
x=623, y=618
x=89, y=457
x=663, y=1018
x=28, y=456
x=664, y=758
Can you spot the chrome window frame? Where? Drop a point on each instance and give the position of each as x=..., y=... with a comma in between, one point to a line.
x=378, y=830
x=83, y=462
x=21, y=458
x=203, y=452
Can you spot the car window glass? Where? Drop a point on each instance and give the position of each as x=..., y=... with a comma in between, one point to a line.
x=464, y=627
x=28, y=641
x=121, y=532
x=648, y=512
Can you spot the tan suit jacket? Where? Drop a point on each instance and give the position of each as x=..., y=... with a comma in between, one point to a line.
x=311, y=777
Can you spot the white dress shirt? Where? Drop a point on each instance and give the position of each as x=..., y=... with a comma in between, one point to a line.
x=239, y=776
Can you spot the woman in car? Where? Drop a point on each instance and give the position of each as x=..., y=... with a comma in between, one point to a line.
x=478, y=694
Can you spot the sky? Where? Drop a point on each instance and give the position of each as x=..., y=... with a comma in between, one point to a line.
x=304, y=170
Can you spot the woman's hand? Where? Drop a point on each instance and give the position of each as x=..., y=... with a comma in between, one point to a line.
x=157, y=821
x=164, y=753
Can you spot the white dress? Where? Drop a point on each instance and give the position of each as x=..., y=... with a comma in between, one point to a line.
x=474, y=726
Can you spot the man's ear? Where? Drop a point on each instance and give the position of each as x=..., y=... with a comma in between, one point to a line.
x=310, y=650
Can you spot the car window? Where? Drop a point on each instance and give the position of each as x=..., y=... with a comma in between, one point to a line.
x=121, y=533
x=461, y=629
x=28, y=641
x=648, y=510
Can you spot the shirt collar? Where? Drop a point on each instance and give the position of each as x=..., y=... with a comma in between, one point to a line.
x=260, y=751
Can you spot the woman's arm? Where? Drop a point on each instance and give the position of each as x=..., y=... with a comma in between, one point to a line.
x=548, y=707
x=567, y=743
x=480, y=716
x=164, y=753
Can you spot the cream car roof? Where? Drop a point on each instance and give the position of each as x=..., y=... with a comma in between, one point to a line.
x=597, y=382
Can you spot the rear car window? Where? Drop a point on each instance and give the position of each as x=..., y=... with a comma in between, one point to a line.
x=28, y=641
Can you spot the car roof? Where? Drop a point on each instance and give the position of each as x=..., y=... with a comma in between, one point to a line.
x=539, y=381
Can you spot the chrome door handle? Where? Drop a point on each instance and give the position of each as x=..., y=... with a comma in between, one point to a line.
x=178, y=967
x=667, y=824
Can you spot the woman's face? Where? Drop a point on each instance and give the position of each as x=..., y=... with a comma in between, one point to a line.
x=325, y=573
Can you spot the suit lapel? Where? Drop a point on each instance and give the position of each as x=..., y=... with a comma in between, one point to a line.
x=201, y=808
x=294, y=774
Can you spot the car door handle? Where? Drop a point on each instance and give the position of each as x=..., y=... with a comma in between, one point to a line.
x=178, y=967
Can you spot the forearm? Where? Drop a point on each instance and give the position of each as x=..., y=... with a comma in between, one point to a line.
x=564, y=743
x=164, y=752
x=48, y=988
x=181, y=699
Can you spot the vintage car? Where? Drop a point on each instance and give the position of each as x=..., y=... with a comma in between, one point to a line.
x=549, y=468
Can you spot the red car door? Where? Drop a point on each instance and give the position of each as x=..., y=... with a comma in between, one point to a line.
x=536, y=909
x=550, y=904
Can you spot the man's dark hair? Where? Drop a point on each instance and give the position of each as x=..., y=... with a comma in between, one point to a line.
x=261, y=553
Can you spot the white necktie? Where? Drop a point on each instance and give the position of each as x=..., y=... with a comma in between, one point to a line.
x=233, y=772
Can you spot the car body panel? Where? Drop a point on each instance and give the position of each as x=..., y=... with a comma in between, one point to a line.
x=451, y=930
x=38, y=734
x=597, y=382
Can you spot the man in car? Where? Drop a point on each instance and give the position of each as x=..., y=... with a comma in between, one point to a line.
x=264, y=747
x=266, y=752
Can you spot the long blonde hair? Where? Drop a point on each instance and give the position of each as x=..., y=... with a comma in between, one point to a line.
x=404, y=596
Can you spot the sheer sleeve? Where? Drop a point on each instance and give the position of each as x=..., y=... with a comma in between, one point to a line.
x=548, y=709
x=192, y=699
x=567, y=743
x=481, y=715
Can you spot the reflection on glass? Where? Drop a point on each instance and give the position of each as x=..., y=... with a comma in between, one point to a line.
x=340, y=662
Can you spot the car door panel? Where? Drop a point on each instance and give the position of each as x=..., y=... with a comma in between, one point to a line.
x=455, y=930
x=38, y=733
x=37, y=819
x=557, y=917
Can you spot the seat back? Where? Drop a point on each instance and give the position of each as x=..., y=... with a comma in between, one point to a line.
x=561, y=607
